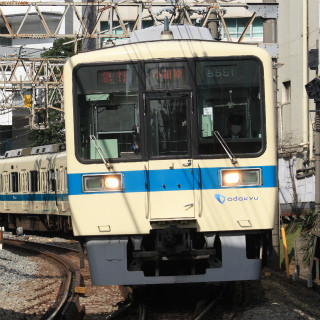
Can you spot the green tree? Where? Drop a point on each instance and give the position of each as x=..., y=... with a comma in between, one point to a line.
x=54, y=133
x=61, y=48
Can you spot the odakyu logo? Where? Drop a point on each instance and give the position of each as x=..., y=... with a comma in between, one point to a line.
x=222, y=199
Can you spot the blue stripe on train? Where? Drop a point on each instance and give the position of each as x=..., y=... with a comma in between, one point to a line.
x=159, y=180
x=33, y=197
x=174, y=180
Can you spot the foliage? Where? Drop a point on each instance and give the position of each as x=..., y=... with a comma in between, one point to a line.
x=54, y=133
x=308, y=224
x=61, y=48
x=292, y=230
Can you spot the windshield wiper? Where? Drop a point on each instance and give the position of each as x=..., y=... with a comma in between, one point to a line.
x=101, y=154
x=226, y=148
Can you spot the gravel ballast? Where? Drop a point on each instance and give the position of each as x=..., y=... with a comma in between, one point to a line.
x=15, y=269
x=23, y=276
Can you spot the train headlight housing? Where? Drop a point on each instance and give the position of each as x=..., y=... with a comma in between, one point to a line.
x=241, y=177
x=102, y=182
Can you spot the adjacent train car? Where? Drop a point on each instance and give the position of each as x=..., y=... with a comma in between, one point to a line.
x=34, y=190
x=172, y=159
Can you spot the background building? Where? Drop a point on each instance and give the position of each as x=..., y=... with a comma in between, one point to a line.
x=298, y=33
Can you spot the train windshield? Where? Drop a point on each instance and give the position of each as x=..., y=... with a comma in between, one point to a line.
x=182, y=113
x=230, y=104
x=108, y=109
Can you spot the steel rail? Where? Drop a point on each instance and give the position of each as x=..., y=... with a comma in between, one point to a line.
x=68, y=300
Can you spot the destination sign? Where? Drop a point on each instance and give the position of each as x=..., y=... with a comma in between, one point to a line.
x=170, y=75
x=112, y=77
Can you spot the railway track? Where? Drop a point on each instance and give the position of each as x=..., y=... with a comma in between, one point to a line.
x=187, y=302
x=272, y=297
x=66, y=306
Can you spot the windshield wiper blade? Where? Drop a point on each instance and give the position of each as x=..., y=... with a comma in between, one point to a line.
x=101, y=154
x=226, y=148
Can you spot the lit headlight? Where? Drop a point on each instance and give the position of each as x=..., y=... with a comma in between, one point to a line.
x=102, y=183
x=112, y=182
x=231, y=178
x=241, y=177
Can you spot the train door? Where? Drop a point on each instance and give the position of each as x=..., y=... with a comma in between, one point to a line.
x=64, y=189
x=44, y=189
x=171, y=181
x=24, y=185
x=6, y=189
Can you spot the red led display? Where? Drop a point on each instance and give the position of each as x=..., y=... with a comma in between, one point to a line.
x=166, y=77
x=168, y=74
x=112, y=77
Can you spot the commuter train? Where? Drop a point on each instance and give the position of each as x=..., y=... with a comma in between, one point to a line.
x=34, y=189
x=172, y=158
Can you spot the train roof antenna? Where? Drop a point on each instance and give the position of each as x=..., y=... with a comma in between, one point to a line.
x=166, y=34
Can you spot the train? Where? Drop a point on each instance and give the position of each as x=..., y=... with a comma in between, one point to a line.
x=170, y=160
x=172, y=166
x=34, y=190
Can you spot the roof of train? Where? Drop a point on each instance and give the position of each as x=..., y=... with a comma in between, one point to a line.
x=178, y=31
x=52, y=148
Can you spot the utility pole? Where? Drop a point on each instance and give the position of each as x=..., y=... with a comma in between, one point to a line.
x=213, y=21
x=313, y=91
x=90, y=43
x=317, y=161
x=270, y=37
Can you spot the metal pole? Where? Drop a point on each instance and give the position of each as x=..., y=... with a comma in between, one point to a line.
x=270, y=36
x=317, y=155
x=317, y=192
x=317, y=163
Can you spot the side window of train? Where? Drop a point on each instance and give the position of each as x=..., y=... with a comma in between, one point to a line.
x=6, y=182
x=43, y=180
x=66, y=180
x=61, y=179
x=14, y=182
x=24, y=181
x=51, y=180
x=57, y=180
x=34, y=181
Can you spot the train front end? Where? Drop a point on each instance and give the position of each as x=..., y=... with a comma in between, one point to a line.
x=172, y=161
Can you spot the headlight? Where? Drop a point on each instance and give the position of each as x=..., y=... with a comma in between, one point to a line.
x=102, y=182
x=112, y=182
x=241, y=177
x=231, y=178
